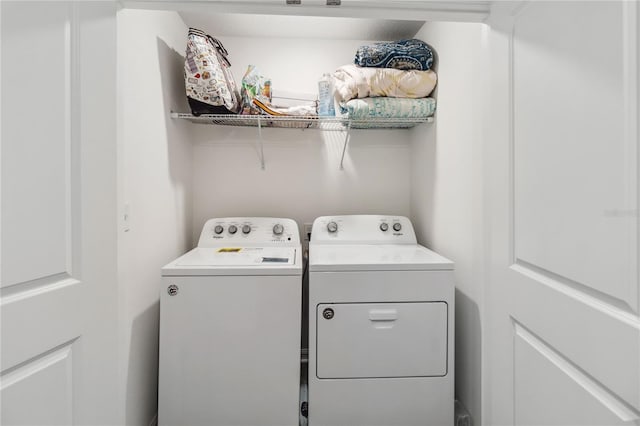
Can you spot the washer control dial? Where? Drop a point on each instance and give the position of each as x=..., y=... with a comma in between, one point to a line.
x=218, y=229
x=278, y=229
x=384, y=227
x=397, y=227
x=233, y=229
x=246, y=229
x=332, y=227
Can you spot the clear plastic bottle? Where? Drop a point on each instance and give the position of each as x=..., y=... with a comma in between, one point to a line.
x=325, y=96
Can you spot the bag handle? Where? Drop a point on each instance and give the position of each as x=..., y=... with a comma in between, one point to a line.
x=220, y=48
x=216, y=43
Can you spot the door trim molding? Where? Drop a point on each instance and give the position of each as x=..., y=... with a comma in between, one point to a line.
x=631, y=102
x=601, y=302
x=37, y=287
x=73, y=142
x=37, y=363
x=599, y=392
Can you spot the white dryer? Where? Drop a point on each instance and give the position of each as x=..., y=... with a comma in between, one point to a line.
x=230, y=319
x=381, y=325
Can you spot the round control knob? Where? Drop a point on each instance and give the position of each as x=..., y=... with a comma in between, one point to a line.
x=218, y=229
x=246, y=229
x=384, y=227
x=278, y=229
x=397, y=226
x=233, y=229
x=332, y=227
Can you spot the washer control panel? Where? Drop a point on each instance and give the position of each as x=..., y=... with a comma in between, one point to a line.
x=263, y=231
x=363, y=229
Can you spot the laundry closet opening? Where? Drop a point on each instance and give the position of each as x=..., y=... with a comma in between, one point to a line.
x=173, y=174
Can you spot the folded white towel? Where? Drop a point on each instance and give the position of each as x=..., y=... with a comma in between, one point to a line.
x=352, y=81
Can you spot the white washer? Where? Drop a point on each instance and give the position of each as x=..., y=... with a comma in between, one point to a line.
x=381, y=325
x=230, y=327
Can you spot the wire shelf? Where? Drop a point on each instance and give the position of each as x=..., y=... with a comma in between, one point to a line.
x=301, y=122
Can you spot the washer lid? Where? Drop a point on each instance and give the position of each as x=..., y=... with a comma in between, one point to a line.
x=383, y=257
x=236, y=261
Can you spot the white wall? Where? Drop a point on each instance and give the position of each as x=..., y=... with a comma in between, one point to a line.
x=302, y=179
x=155, y=159
x=446, y=192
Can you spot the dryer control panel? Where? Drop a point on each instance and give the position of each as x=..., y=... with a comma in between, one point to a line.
x=363, y=229
x=247, y=231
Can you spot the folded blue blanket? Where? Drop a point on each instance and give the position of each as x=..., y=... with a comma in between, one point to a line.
x=386, y=108
x=410, y=54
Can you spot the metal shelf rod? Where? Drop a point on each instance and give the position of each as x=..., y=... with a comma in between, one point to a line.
x=261, y=144
x=344, y=146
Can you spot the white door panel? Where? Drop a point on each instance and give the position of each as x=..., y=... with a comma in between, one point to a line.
x=570, y=149
x=563, y=337
x=567, y=397
x=58, y=291
x=54, y=328
x=594, y=336
x=35, y=157
x=46, y=383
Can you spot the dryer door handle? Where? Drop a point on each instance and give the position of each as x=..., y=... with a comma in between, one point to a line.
x=383, y=314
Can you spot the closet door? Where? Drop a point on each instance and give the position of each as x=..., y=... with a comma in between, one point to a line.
x=58, y=283
x=563, y=331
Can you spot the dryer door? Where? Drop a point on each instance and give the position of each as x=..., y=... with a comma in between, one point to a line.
x=372, y=340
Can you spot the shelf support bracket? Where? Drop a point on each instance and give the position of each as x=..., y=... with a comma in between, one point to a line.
x=344, y=146
x=261, y=145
